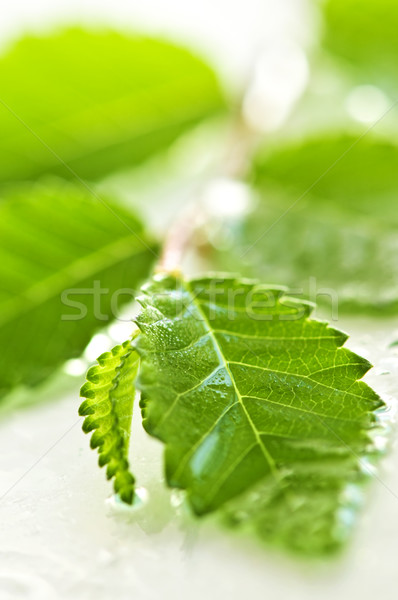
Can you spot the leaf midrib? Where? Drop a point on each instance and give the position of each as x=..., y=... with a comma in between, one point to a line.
x=138, y=129
x=270, y=461
x=74, y=272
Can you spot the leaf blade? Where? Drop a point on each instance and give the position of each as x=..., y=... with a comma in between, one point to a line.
x=235, y=415
x=362, y=36
x=111, y=100
x=64, y=256
x=325, y=224
x=108, y=411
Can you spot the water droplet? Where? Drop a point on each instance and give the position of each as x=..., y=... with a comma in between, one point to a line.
x=380, y=371
x=177, y=498
x=116, y=505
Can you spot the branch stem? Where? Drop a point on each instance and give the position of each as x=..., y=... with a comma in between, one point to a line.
x=240, y=145
x=179, y=238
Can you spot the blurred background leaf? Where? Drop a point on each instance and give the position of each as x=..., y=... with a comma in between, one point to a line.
x=362, y=34
x=326, y=218
x=57, y=244
x=97, y=101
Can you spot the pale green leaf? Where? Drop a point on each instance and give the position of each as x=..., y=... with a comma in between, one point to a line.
x=260, y=407
x=68, y=261
x=363, y=35
x=97, y=101
x=108, y=411
x=325, y=224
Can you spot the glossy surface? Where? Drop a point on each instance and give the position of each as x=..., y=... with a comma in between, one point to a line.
x=65, y=254
x=362, y=35
x=88, y=103
x=252, y=397
x=325, y=224
x=108, y=408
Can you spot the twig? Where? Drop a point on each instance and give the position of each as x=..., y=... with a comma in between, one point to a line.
x=240, y=145
x=179, y=238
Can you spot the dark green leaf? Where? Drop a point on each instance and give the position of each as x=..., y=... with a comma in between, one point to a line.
x=97, y=101
x=259, y=406
x=58, y=246
x=108, y=408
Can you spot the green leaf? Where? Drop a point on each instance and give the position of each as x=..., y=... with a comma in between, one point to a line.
x=326, y=223
x=253, y=398
x=97, y=101
x=108, y=408
x=363, y=35
x=68, y=261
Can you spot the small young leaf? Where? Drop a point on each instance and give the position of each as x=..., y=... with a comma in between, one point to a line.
x=97, y=101
x=259, y=406
x=67, y=263
x=108, y=408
